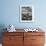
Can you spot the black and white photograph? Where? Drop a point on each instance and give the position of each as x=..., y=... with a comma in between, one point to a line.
x=26, y=13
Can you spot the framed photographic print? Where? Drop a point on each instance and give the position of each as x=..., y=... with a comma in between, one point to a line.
x=26, y=13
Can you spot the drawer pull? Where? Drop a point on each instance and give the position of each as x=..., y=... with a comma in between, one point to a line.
x=33, y=39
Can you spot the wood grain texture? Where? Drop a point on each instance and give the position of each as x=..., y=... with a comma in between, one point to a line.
x=34, y=39
x=13, y=39
x=23, y=39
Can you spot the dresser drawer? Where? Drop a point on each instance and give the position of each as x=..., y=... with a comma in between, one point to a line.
x=13, y=44
x=13, y=33
x=37, y=44
x=34, y=33
x=37, y=39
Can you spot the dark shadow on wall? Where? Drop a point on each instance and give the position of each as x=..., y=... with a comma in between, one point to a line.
x=2, y=27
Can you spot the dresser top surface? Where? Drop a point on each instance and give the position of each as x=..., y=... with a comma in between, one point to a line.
x=22, y=30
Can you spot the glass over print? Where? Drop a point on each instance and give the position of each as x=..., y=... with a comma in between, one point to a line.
x=26, y=13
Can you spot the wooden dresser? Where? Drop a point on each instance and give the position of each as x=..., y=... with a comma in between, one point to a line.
x=23, y=38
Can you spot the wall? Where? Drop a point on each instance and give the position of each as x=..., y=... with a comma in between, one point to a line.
x=10, y=13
